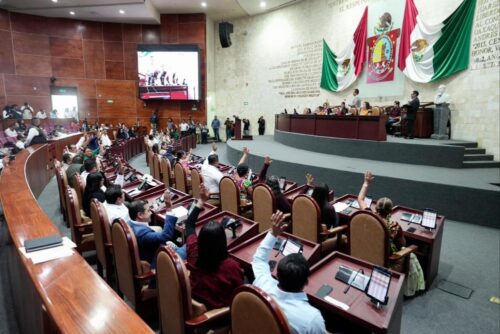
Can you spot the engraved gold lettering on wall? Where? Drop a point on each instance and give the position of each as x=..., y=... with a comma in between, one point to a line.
x=343, y=5
x=299, y=76
x=486, y=39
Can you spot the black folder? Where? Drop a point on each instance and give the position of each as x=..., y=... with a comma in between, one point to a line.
x=42, y=243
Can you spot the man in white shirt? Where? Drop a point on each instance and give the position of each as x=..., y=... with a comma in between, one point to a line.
x=41, y=114
x=287, y=291
x=115, y=204
x=6, y=113
x=211, y=174
x=184, y=128
x=19, y=142
x=11, y=131
x=35, y=132
x=27, y=111
x=355, y=101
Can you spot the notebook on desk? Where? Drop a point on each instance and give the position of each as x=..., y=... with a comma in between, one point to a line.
x=411, y=218
x=42, y=243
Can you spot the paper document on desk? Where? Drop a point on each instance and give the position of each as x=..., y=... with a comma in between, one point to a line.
x=134, y=192
x=340, y=206
x=180, y=212
x=44, y=255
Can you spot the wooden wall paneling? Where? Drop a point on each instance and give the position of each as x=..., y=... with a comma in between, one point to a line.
x=65, y=28
x=113, y=51
x=150, y=34
x=132, y=33
x=33, y=65
x=86, y=87
x=91, y=30
x=29, y=23
x=87, y=108
x=37, y=102
x=130, y=61
x=121, y=107
x=93, y=55
x=67, y=48
x=109, y=89
x=25, y=85
x=67, y=67
x=7, y=64
x=112, y=32
x=115, y=70
x=4, y=20
x=190, y=18
x=114, y=120
x=169, y=28
x=31, y=44
x=192, y=33
x=2, y=88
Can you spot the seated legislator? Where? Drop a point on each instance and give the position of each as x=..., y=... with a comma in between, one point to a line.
x=242, y=170
x=11, y=130
x=148, y=240
x=211, y=174
x=366, y=110
x=287, y=291
x=35, y=134
x=282, y=202
x=342, y=110
x=394, y=116
x=67, y=160
x=75, y=168
x=89, y=166
x=214, y=275
x=93, y=189
x=415, y=281
x=321, y=195
x=115, y=204
x=184, y=160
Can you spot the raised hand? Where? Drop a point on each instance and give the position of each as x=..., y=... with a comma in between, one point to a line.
x=267, y=160
x=309, y=179
x=277, y=225
x=168, y=200
x=369, y=177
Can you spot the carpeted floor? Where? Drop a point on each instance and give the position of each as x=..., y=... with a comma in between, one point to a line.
x=470, y=256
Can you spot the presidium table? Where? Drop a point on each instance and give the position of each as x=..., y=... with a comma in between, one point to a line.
x=353, y=127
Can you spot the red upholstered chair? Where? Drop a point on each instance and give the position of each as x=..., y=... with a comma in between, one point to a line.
x=254, y=311
x=133, y=274
x=196, y=181
x=179, y=313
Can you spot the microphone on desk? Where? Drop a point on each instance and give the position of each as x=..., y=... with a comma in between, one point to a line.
x=354, y=278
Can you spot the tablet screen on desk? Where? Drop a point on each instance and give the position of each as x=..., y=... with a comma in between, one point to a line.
x=291, y=247
x=378, y=287
x=429, y=218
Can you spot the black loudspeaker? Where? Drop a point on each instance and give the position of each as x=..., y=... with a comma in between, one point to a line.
x=225, y=29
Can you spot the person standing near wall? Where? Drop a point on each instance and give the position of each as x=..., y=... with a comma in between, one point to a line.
x=215, y=127
x=227, y=124
x=262, y=125
x=154, y=120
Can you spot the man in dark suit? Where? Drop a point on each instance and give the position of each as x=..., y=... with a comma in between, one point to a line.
x=148, y=240
x=411, y=114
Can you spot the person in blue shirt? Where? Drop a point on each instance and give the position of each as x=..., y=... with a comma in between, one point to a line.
x=148, y=240
x=287, y=290
x=215, y=127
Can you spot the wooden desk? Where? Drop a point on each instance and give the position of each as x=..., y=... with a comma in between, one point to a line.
x=355, y=127
x=428, y=242
x=207, y=211
x=293, y=192
x=247, y=230
x=179, y=196
x=244, y=252
x=362, y=316
x=60, y=296
x=131, y=186
x=345, y=216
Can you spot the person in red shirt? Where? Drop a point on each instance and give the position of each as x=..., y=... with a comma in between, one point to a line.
x=214, y=276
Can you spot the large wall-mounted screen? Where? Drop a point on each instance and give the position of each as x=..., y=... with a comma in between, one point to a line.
x=169, y=72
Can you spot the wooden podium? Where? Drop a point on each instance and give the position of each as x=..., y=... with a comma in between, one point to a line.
x=238, y=130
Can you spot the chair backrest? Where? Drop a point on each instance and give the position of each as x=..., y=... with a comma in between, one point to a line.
x=61, y=188
x=156, y=166
x=150, y=161
x=79, y=186
x=174, y=291
x=306, y=218
x=369, y=238
x=353, y=111
x=73, y=213
x=196, y=181
x=100, y=224
x=254, y=311
x=127, y=261
x=180, y=178
x=166, y=171
x=376, y=111
x=229, y=195
x=264, y=205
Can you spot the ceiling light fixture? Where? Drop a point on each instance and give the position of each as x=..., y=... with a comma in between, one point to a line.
x=54, y=0
x=122, y=11
x=262, y=4
x=203, y=4
x=72, y=13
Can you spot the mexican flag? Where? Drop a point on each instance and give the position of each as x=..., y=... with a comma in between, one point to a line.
x=433, y=52
x=340, y=71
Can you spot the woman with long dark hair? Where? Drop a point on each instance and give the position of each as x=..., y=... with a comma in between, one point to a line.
x=95, y=181
x=214, y=275
x=321, y=195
